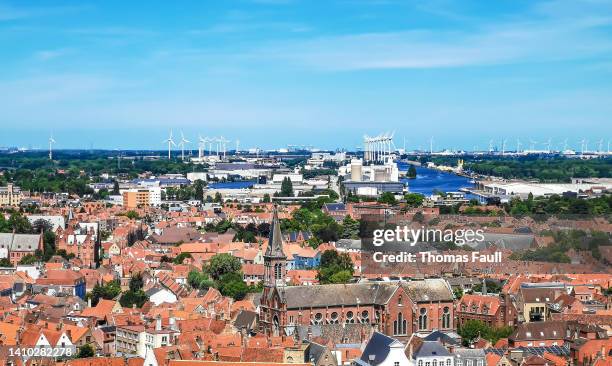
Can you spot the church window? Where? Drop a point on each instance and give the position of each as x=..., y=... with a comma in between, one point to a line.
x=333, y=318
x=350, y=317
x=420, y=362
x=448, y=362
x=400, y=325
x=423, y=319
x=446, y=317
x=364, y=316
x=318, y=318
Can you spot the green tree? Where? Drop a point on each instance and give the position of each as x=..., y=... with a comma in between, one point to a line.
x=286, y=188
x=115, y=187
x=221, y=265
x=471, y=330
x=28, y=259
x=458, y=292
x=199, y=190
x=232, y=285
x=132, y=215
x=350, y=228
x=180, y=258
x=335, y=267
x=85, y=351
x=414, y=199
x=136, y=282
x=412, y=173
x=5, y=262
x=108, y=291
x=388, y=198
x=131, y=298
x=199, y=280
x=266, y=198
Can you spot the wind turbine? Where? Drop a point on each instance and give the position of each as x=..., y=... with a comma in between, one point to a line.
x=431, y=140
x=518, y=146
x=600, y=146
x=51, y=142
x=182, y=145
x=170, y=142
x=223, y=141
x=201, y=145
x=490, y=146
x=503, y=143
x=547, y=144
x=237, y=146
x=532, y=144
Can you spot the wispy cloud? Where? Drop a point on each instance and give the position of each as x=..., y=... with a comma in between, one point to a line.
x=10, y=12
x=531, y=40
x=46, y=55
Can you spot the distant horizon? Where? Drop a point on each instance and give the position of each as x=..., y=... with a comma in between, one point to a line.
x=272, y=73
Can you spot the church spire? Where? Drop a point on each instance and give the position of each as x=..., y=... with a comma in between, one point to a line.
x=275, y=240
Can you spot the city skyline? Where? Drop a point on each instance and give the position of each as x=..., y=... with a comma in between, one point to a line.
x=273, y=73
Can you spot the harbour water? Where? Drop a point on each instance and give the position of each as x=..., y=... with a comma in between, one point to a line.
x=428, y=180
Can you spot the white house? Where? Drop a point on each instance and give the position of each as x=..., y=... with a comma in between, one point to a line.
x=383, y=350
x=159, y=295
x=433, y=353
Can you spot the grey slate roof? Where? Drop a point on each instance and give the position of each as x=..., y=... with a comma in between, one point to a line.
x=19, y=242
x=466, y=353
x=506, y=241
x=379, y=293
x=431, y=349
x=377, y=349
x=275, y=241
x=245, y=319
x=338, y=294
x=442, y=337
x=429, y=289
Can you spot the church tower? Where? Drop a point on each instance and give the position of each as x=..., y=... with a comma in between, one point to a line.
x=273, y=313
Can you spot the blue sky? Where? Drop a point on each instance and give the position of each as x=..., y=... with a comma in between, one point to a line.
x=120, y=74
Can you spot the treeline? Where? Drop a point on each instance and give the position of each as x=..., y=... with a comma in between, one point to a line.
x=564, y=241
x=543, y=170
x=35, y=172
x=560, y=206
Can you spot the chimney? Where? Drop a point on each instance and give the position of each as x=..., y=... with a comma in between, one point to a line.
x=89, y=302
x=158, y=323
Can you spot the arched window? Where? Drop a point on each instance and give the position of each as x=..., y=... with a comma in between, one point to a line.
x=365, y=316
x=350, y=317
x=333, y=318
x=435, y=362
x=400, y=325
x=423, y=319
x=399, y=300
x=420, y=362
x=474, y=309
x=446, y=317
x=485, y=309
x=318, y=318
x=448, y=362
